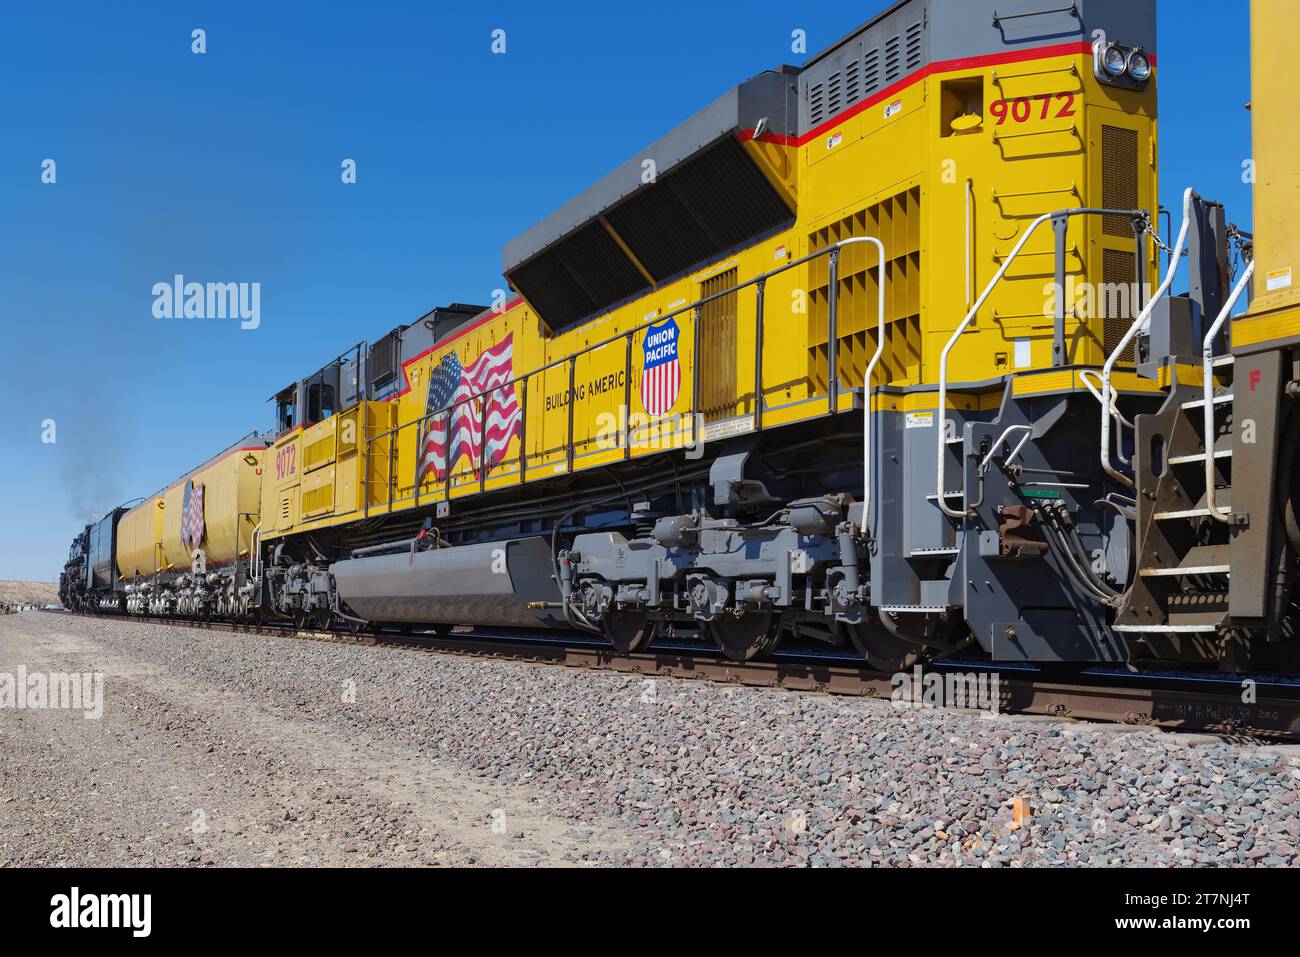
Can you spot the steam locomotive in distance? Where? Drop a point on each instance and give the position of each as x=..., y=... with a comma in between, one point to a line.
x=885, y=355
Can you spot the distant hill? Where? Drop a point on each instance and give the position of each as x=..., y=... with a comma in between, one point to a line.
x=23, y=593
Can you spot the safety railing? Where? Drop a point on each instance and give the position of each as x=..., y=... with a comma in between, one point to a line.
x=627, y=336
x=1060, y=218
x=1108, y=410
x=1207, y=386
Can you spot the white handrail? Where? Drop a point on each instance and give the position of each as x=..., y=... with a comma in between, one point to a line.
x=942, y=436
x=1095, y=391
x=1207, y=370
x=871, y=367
x=1027, y=429
x=254, y=551
x=1138, y=324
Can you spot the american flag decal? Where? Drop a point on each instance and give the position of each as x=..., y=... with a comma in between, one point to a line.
x=451, y=382
x=661, y=375
x=192, y=527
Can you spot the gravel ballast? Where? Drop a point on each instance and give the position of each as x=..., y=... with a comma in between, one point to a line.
x=232, y=749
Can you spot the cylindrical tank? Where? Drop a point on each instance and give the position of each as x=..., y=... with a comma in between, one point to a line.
x=488, y=584
x=221, y=524
x=138, y=535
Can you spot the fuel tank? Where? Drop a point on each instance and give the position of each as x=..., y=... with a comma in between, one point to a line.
x=489, y=584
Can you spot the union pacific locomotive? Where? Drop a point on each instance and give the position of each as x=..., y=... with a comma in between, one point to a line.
x=881, y=351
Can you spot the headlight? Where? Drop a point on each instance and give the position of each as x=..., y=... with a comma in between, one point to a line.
x=1113, y=61
x=1139, y=66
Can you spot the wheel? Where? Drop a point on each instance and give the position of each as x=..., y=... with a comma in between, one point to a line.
x=882, y=650
x=354, y=626
x=629, y=631
x=751, y=637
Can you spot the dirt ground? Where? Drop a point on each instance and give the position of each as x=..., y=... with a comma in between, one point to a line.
x=183, y=771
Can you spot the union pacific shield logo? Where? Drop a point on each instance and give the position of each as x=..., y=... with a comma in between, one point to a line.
x=661, y=376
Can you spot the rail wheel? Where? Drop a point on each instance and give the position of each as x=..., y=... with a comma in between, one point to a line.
x=629, y=631
x=751, y=637
x=882, y=650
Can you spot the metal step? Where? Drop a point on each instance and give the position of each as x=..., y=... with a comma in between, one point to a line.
x=1200, y=560
x=1224, y=361
x=1200, y=403
x=1181, y=570
x=934, y=497
x=1189, y=513
x=914, y=609
x=1165, y=629
x=933, y=552
x=1198, y=457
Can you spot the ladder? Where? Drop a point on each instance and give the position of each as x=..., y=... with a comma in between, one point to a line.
x=1179, y=594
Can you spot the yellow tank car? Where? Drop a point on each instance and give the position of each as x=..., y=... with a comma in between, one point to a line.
x=210, y=514
x=139, y=538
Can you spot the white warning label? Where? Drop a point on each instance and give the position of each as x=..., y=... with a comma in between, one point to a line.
x=920, y=420
x=1279, y=279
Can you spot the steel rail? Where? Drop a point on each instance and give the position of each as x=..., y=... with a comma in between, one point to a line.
x=1136, y=700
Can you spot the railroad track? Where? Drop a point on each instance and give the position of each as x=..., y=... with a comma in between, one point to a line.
x=1183, y=702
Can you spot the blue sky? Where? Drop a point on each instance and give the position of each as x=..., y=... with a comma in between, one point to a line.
x=226, y=167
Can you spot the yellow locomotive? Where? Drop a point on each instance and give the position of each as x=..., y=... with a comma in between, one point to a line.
x=824, y=361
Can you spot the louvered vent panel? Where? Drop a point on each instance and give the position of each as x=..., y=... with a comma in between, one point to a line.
x=893, y=59
x=1119, y=177
x=852, y=86
x=897, y=221
x=871, y=74
x=718, y=359
x=833, y=95
x=1118, y=269
x=915, y=47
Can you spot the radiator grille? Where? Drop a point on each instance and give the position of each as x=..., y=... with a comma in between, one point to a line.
x=712, y=203
x=897, y=221
x=581, y=274
x=1119, y=177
